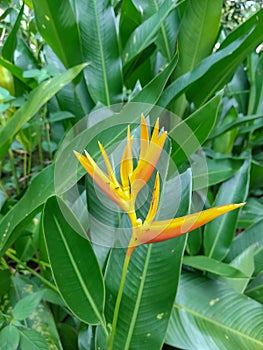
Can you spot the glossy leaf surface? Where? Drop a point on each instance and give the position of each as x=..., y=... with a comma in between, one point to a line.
x=201, y=317
x=74, y=265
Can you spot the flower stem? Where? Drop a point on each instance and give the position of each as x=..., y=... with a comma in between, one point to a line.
x=119, y=296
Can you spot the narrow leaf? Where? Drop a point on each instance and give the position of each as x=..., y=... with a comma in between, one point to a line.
x=204, y=263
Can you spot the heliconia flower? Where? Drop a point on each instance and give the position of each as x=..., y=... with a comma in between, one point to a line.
x=151, y=231
x=124, y=193
x=158, y=231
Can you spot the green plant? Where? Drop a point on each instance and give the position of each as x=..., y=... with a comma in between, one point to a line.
x=76, y=72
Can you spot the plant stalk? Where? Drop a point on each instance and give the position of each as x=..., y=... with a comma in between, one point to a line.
x=119, y=296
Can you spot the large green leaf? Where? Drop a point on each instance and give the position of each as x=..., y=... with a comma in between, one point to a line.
x=130, y=18
x=252, y=236
x=35, y=100
x=218, y=170
x=56, y=23
x=189, y=134
x=218, y=75
x=42, y=186
x=167, y=33
x=255, y=288
x=219, y=233
x=73, y=263
x=145, y=34
x=217, y=69
x=210, y=315
x=97, y=27
x=151, y=281
x=198, y=32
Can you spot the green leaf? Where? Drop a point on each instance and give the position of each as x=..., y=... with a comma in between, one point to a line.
x=57, y=24
x=42, y=186
x=251, y=212
x=97, y=26
x=255, y=288
x=256, y=90
x=252, y=236
x=145, y=34
x=41, y=319
x=27, y=305
x=198, y=32
x=166, y=38
x=219, y=74
x=130, y=19
x=151, y=281
x=9, y=46
x=36, y=99
x=9, y=338
x=189, y=134
x=210, y=315
x=40, y=189
x=218, y=170
x=32, y=340
x=213, y=72
x=219, y=233
x=225, y=142
x=205, y=263
x=17, y=72
x=221, y=129
x=245, y=263
x=74, y=265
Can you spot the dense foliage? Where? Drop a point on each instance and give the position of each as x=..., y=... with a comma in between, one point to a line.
x=73, y=72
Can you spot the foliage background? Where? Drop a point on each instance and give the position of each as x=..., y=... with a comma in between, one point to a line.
x=201, y=60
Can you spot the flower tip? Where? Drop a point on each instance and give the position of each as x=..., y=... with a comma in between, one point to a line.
x=238, y=205
x=77, y=154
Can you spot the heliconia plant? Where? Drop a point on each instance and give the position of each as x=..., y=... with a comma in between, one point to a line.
x=97, y=255
x=125, y=191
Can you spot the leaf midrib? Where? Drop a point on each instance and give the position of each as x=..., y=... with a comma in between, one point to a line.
x=78, y=273
x=216, y=323
x=101, y=53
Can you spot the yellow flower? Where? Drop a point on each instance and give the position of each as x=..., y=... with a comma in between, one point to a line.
x=124, y=193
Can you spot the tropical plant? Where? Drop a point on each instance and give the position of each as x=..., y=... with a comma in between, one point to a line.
x=94, y=262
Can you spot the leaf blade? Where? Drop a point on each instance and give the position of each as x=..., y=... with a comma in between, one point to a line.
x=83, y=289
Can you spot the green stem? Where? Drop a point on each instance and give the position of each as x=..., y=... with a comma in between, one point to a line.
x=13, y=168
x=119, y=296
x=44, y=280
x=40, y=152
